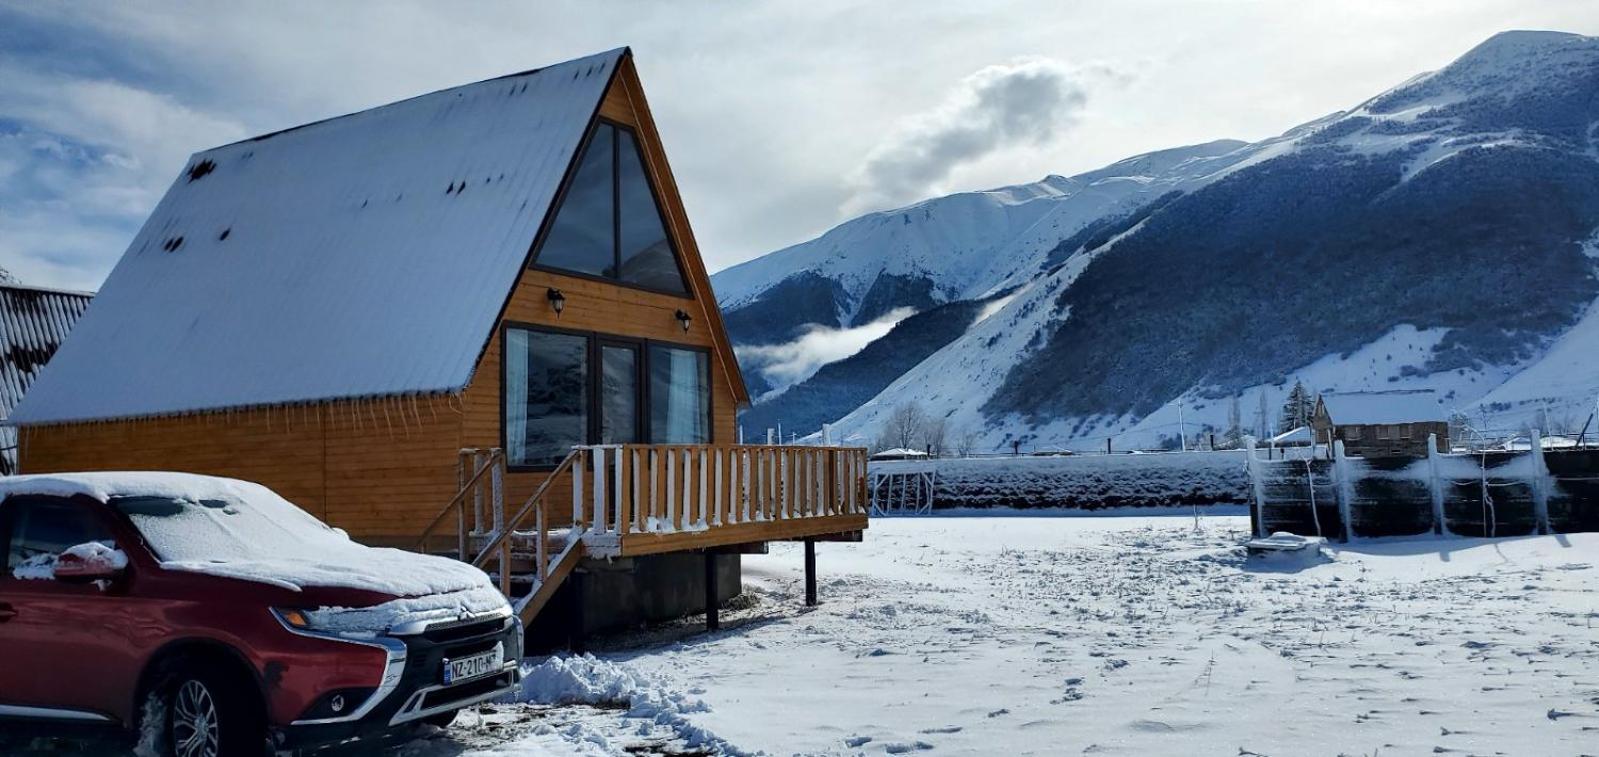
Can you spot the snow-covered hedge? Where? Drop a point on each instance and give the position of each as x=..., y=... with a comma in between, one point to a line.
x=1089, y=482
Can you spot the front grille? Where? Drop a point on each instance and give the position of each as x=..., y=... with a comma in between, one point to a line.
x=442, y=633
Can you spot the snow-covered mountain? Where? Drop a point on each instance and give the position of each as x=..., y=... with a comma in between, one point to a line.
x=1442, y=234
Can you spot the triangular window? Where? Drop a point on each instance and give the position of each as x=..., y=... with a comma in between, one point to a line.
x=609, y=223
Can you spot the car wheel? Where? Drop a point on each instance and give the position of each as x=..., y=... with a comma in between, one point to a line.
x=205, y=714
x=441, y=720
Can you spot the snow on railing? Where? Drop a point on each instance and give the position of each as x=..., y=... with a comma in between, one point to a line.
x=670, y=488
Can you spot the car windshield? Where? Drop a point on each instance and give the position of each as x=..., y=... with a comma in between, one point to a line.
x=226, y=530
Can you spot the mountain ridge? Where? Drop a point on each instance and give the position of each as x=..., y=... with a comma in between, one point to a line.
x=1419, y=193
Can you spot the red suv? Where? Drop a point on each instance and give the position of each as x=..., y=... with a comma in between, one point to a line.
x=213, y=617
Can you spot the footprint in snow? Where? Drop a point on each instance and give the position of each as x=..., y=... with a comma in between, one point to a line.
x=903, y=748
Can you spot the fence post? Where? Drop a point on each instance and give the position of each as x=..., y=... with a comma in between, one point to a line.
x=497, y=487
x=1344, y=489
x=1258, y=513
x=1540, y=479
x=1440, y=523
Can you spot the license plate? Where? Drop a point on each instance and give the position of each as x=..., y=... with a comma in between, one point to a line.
x=475, y=666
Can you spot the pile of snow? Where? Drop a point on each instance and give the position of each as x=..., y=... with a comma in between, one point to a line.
x=585, y=679
x=1090, y=482
x=237, y=529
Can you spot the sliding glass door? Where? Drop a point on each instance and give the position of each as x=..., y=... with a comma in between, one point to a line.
x=562, y=389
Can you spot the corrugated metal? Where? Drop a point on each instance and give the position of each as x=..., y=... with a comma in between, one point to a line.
x=362, y=256
x=33, y=322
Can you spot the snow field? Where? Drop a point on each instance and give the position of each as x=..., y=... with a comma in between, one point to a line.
x=1146, y=636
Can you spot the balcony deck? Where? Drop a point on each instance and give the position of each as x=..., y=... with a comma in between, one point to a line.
x=630, y=500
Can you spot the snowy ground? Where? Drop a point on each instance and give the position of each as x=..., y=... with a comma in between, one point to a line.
x=1133, y=635
x=1112, y=635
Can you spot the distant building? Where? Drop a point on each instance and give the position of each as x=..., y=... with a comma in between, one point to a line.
x=1392, y=423
x=33, y=321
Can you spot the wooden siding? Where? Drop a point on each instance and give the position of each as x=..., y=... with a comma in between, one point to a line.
x=383, y=469
x=373, y=468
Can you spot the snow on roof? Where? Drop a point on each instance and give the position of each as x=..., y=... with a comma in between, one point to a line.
x=33, y=322
x=1301, y=435
x=899, y=452
x=361, y=256
x=1393, y=406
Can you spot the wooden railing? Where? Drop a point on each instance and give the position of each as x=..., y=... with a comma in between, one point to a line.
x=478, y=507
x=627, y=489
x=648, y=488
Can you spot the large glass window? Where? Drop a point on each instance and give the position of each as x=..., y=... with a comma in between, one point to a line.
x=563, y=389
x=582, y=237
x=680, y=395
x=546, y=395
x=647, y=258
x=609, y=224
x=619, y=394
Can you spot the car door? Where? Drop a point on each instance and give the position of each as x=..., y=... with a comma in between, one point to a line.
x=66, y=643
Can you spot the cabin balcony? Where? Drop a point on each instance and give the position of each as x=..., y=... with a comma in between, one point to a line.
x=628, y=500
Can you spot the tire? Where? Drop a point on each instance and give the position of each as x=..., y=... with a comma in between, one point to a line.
x=441, y=720
x=204, y=712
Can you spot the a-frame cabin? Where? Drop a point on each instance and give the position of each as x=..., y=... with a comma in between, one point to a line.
x=475, y=321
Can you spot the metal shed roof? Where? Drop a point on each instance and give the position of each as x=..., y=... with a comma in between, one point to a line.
x=361, y=256
x=33, y=321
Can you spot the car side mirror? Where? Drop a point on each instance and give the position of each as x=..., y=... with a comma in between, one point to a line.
x=88, y=562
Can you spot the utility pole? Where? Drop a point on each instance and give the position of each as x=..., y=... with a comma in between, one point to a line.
x=1182, y=430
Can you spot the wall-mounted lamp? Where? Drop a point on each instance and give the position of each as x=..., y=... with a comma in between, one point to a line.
x=683, y=319
x=557, y=300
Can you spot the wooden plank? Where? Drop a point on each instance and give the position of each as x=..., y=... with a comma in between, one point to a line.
x=644, y=544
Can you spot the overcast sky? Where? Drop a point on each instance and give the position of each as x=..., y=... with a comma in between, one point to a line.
x=780, y=119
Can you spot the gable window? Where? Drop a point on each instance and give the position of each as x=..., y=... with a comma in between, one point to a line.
x=562, y=389
x=609, y=222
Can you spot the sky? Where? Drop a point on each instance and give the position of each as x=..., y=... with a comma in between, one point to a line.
x=780, y=120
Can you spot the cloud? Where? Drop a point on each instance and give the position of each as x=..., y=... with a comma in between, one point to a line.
x=1029, y=101
x=784, y=365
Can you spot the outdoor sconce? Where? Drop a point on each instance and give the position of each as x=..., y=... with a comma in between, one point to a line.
x=557, y=300
x=683, y=319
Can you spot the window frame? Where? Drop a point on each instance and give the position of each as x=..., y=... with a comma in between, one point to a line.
x=548, y=223
x=596, y=340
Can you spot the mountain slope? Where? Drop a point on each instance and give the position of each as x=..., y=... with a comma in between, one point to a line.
x=1440, y=235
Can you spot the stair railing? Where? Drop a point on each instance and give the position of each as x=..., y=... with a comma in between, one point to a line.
x=536, y=506
x=488, y=467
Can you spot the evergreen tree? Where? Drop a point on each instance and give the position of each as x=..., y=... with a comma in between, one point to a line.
x=1297, y=409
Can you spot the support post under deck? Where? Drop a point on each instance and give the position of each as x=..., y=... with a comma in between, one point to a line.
x=574, y=638
x=810, y=572
x=713, y=619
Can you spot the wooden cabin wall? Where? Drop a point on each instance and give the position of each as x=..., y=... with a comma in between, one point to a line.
x=380, y=470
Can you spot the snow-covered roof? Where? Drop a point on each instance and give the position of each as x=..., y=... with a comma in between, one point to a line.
x=1301, y=435
x=898, y=453
x=366, y=255
x=1393, y=406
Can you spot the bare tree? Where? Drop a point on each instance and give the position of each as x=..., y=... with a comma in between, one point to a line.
x=966, y=443
x=904, y=427
x=935, y=436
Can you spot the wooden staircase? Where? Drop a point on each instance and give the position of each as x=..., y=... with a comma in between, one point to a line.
x=526, y=553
